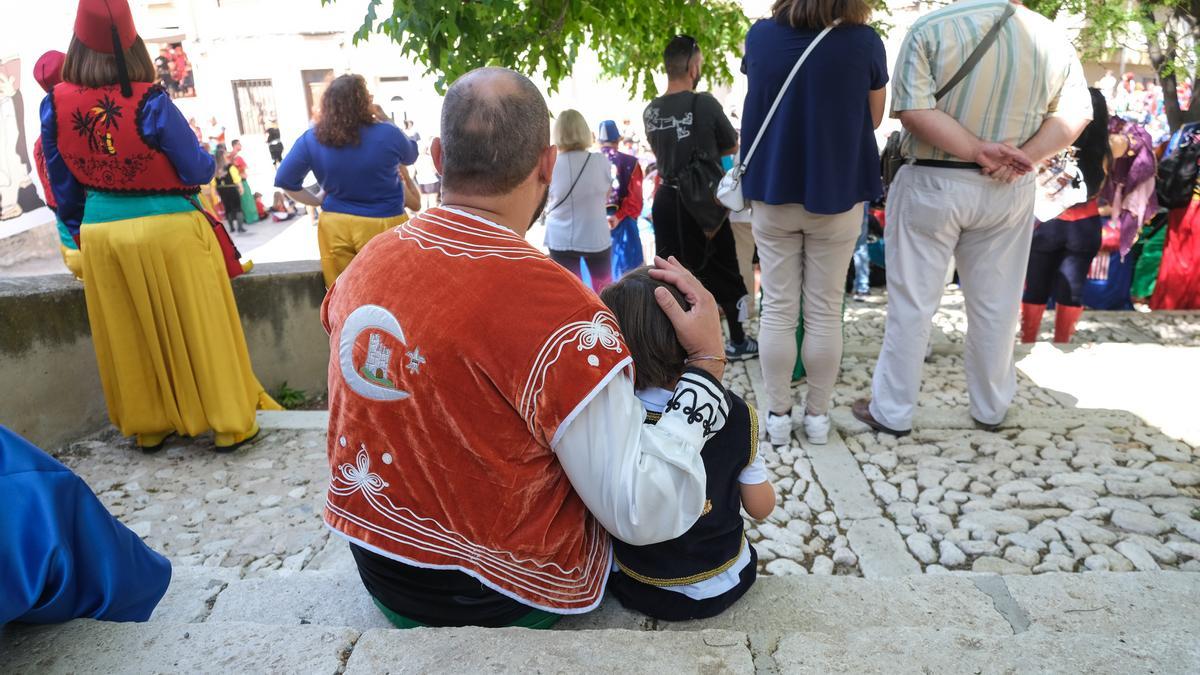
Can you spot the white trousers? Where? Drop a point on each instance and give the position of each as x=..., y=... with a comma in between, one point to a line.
x=802, y=254
x=932, y=215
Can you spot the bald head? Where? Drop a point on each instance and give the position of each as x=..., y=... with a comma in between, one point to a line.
x=495, y=125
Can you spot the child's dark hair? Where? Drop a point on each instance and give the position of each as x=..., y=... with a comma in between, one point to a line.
x=658, y=358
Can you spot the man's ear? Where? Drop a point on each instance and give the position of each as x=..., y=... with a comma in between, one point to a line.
x=435, y=152
x=546, y=164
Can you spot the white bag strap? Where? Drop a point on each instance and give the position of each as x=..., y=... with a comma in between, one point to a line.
x=783, y=90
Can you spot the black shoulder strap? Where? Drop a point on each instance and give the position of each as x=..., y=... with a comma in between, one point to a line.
x=574, y=183
x=988, y=40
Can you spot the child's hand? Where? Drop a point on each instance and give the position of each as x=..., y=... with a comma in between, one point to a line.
x=699, y=328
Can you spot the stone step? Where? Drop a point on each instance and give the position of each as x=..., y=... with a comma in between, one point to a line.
x=1093, y=602
x=774, y=605
x=480, y=650
x=86, y=646
x=952, y=650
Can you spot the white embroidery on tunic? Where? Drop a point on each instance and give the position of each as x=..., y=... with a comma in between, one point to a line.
x=600, y=331
x=458, y=239
x=415, y=361
x=402, y=525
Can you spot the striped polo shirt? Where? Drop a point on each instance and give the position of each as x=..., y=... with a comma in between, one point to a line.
x=1030, y=73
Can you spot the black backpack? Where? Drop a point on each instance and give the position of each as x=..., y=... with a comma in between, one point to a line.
x=697, y=185
x=1177, y=176
x=891, y=160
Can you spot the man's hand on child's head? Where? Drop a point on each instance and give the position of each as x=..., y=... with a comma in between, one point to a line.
x=699, y=328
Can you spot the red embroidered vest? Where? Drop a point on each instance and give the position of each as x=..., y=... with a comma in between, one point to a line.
x=100, y=139
x=459, y=354
x=39, y=160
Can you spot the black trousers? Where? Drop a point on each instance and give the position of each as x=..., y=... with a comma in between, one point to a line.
x=232, y=201
x=1059, y=260
x=671, y=606
x=713, y=261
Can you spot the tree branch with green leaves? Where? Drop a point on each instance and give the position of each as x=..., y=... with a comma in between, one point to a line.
x=543, y=37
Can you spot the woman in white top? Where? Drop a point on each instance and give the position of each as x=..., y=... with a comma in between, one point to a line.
x=576, y=218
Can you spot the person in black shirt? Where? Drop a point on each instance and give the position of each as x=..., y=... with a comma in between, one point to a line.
x=274, y=142
x=682, y=124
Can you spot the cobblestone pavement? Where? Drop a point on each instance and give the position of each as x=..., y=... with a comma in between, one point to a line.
x=1061, y=489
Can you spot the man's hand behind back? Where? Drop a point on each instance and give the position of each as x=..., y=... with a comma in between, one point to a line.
x=1003, y=162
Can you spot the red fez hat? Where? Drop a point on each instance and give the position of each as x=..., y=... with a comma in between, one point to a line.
x=106, y=26
x=48, y=69
x=96, y=21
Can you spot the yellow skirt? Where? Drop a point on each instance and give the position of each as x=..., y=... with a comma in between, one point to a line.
x=169, y=343
x=340, y=236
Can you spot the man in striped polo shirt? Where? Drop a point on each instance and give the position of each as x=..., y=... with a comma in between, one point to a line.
x=967, y=191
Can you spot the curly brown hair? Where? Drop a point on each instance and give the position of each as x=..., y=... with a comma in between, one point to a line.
x=345, y=110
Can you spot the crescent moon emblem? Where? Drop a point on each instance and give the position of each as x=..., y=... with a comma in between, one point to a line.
x=366, y=318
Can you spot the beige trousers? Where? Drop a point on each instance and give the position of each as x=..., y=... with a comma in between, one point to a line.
x=743, y=239
x=802, y=254
x=934, y=214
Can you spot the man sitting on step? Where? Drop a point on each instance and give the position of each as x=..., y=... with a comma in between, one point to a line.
x=484, y=433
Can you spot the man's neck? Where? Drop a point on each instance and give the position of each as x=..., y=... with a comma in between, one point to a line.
x=489, y=208
x=679, y=85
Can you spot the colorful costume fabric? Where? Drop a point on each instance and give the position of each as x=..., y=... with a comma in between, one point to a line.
x=625, y=205
x=249, y=210
x=62, y=555
x=169, y=344
x=1130, y=185
x=1178, y=285
x=1149, y=251
x=445, y=406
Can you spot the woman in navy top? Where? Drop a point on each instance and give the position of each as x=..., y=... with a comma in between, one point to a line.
x=356, y=158
x=814, y=167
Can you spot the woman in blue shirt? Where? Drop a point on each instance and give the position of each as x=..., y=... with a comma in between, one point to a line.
x=814, y=167
x=356, y=158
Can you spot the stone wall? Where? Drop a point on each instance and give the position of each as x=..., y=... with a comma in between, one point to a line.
x=49, y=387
x=33, y=242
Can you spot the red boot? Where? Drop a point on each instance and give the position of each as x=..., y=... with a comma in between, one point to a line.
x=1065, y=318
x=1031, y=321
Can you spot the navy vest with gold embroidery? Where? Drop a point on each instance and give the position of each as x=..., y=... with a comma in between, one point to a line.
x=714, y=543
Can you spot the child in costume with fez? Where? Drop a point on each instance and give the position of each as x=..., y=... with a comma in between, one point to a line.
x=48, y=72
x=124, y=168
x=705, y=570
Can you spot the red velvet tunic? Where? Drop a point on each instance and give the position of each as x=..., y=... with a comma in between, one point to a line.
x=459, y=355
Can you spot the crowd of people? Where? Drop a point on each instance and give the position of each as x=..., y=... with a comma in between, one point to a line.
x=174, y=71
x=494, y=423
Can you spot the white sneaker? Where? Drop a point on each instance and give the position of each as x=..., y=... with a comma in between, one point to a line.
x=779, y=429
x=816, y=429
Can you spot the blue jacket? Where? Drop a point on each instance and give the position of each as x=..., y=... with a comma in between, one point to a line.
x=62, y=555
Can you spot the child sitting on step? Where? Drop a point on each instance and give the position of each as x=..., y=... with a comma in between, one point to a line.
x=705, y=570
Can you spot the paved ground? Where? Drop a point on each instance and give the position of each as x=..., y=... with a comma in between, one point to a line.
x=264, y=241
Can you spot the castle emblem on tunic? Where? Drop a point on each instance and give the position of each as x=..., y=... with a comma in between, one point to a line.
x=379, y=359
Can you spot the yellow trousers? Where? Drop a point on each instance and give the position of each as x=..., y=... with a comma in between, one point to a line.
x=340, y=236
x=169, y=342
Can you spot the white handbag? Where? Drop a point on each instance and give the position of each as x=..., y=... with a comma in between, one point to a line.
x=729, y=190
